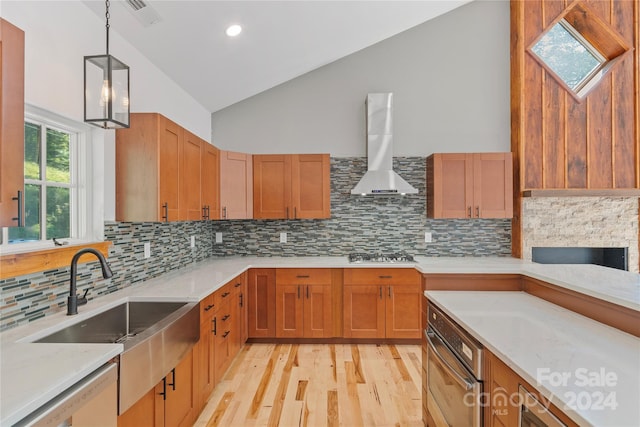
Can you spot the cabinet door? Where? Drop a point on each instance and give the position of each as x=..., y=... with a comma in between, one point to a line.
x=289, y=306
x=210, y=180
x=236, y=185
x=181, y=406
x=364, y=312
x=11, y=123
x=450, y=183
x=190, y=179
x=403, y=311
x=261, y=303
x=148, y=411
x=493, y=185
x=317, y=311
x=272, y=187
x=310, y=186
x=170, y=153
x=502, y=383
x=205, y=351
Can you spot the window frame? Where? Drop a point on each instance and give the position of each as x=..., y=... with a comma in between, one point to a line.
x=590, y=31
x=85, y=228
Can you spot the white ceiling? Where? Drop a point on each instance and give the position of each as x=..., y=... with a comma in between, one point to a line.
x=280, y=39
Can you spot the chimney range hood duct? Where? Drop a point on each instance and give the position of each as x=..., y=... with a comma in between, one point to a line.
x=380, y=178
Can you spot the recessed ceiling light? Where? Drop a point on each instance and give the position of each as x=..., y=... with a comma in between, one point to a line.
x=234, y=30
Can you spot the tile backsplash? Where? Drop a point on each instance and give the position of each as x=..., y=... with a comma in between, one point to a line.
x=380, y=223
x=389, y=223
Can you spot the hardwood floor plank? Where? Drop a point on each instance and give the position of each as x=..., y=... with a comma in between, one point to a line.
x=264, y=382
x=399, y=363
x=276, y=411
x=333, y=419
x=302, y=387
x=220, y=410
x=355, y=353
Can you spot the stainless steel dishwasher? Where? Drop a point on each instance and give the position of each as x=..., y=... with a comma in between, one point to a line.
x=91, y=401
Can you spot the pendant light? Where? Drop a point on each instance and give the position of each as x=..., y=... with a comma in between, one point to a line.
x=106, y=89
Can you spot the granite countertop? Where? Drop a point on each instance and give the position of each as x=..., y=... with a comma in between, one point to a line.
x=23, y=391
x=540, y=341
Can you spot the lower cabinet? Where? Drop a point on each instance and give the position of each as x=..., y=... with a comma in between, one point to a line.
x=261, y=293
x=303, y=303
x=382, y=303
x=171, y=403
x=502, y=408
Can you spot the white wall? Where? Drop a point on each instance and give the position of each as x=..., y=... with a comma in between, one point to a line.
x=58, y=34
x=449, y=76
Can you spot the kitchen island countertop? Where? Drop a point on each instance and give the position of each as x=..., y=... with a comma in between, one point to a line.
x=541, y=341
x=197, y=281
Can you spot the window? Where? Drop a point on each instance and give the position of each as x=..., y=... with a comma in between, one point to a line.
x=569, y=55
x=59, y=186
x=578, y=49
x=49, y=185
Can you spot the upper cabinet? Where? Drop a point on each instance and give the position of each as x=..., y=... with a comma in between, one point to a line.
x=211, y=190
x=295, y=186
x=11, y=124
x=236, y=185
x=163, y=172
x=462, y=185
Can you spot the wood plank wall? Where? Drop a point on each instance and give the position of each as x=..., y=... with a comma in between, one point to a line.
x=558, y=142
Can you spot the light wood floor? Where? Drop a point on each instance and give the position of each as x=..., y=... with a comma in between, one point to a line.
x=318, y=385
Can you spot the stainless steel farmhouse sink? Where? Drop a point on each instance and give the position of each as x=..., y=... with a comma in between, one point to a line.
x=155, y=335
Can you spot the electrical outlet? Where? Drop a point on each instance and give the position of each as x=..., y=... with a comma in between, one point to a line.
x=218, y=237
x=147, y=250
x=193, y=241
x=427, y=237
x=283, y=237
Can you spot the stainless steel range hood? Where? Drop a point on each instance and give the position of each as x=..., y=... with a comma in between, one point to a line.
x=380, y=178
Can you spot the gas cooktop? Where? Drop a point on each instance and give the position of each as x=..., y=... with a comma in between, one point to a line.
x=380, y=257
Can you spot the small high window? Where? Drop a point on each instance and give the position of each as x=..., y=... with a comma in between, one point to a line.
x=578, y=49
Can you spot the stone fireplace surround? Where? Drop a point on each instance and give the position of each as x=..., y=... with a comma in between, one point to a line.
x=581, y=221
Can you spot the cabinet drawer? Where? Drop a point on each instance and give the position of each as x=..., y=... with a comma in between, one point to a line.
x=303, y=276
x=381, y=276
x=207, y=308
x=223, y=295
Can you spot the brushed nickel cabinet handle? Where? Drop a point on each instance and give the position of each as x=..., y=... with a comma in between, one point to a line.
x=165, y=207
x=469, y=212
x=478, y=211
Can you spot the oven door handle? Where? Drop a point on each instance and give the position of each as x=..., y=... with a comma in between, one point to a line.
x=458, y=371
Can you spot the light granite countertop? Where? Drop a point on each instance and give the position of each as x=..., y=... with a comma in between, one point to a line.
x=23, y=389
x=541, y=341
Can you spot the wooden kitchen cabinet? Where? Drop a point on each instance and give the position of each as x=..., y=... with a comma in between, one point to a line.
x=190, y=178
x=382, y=303
x=502, y=385
x=303, y=303
x=11, y=124
x=159, y=171
x=171, y=403
x=261, y=304
x=210, y=185
x=295, y=186
x=463, y=185
x=236, y=185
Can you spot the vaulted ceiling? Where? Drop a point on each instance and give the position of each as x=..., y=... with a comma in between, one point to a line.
x=280, y=39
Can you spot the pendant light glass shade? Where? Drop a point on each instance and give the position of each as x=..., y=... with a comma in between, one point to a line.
x=106, y=92
x=106, y=89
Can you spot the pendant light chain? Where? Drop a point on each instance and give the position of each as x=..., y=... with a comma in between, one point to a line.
x=107, y=16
